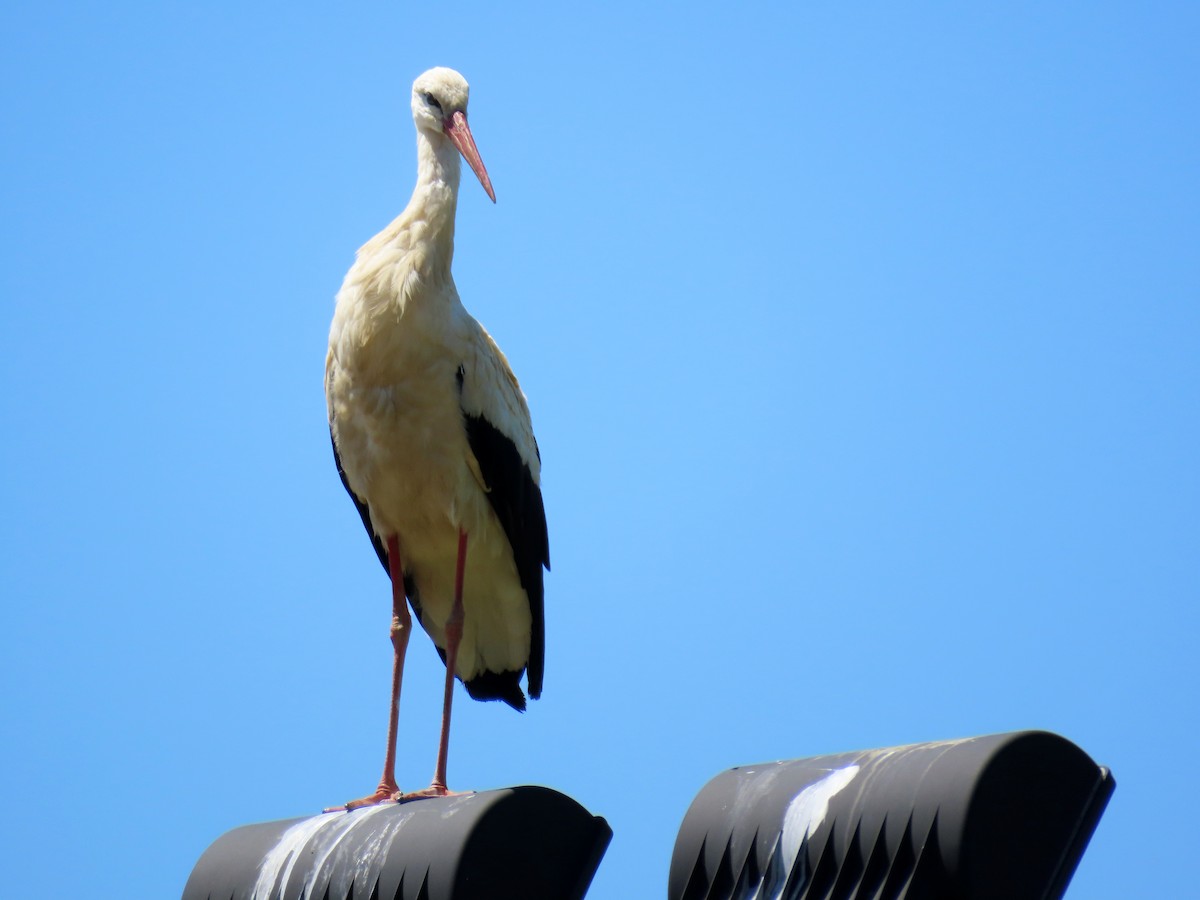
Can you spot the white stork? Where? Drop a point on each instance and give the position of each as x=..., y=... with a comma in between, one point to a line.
x=433, y=441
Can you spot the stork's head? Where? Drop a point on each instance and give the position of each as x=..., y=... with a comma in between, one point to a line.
x=439, y=105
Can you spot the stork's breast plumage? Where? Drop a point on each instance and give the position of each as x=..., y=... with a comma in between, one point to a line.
x=396, y=419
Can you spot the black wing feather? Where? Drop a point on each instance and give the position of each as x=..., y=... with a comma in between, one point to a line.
x=363, y=512
x=517, y=501
x=410, y=584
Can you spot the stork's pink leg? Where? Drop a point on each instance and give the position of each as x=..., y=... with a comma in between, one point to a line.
x=454, y=629
x=401, y=626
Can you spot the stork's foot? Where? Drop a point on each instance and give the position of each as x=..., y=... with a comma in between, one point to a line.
x=385, y=793
x=434, y=790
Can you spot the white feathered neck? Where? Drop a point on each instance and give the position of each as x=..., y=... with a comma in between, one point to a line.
x=428, y=219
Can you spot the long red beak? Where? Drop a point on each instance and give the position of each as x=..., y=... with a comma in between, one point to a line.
x=458, y=131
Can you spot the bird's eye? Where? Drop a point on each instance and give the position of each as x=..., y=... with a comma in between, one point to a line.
x=432, y=101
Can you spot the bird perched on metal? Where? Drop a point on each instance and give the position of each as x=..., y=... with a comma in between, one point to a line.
x=433, y=441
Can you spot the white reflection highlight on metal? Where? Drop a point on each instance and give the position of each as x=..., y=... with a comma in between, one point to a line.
x=807, y=810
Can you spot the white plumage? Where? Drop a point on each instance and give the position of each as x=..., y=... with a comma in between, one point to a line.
x=432, y=433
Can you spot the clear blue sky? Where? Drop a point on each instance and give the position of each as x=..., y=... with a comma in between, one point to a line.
x=863, y=347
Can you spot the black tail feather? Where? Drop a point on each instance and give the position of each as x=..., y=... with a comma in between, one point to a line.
x=504, y=686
